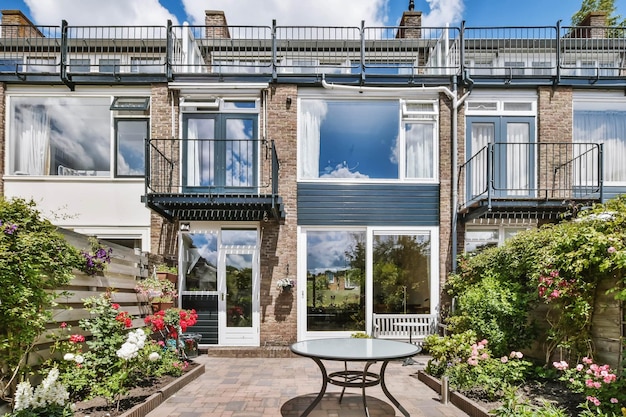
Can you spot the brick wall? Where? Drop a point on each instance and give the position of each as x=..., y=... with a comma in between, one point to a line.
x=279, y=248
x=163, y=234
x=554, y=126
x=445, y=188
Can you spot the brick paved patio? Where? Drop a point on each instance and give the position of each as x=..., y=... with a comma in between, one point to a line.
x=274, y=387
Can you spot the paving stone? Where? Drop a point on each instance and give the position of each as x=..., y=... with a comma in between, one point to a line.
x=285, y=386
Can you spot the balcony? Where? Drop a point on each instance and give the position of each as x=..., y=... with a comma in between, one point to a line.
x=216, y=180
x=518, y=180
x=359, y=55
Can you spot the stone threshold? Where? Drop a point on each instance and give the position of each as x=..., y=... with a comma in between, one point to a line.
x=470, y=407
x=153, y=401
x=248, y=352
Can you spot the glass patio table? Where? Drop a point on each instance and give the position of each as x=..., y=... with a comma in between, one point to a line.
x=347, y=350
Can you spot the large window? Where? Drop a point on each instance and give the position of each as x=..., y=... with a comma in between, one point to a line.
x=604, y=122
x=71, y=136
x=352, y=273
x=367, y=140
x=130, y=136
x=60, y=136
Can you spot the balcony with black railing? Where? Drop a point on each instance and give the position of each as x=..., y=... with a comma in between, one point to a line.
x=514, y=179
x=394, y=55
x=213, y=179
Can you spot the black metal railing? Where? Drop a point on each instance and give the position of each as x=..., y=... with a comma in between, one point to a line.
x=532, y=171
x=553, y=53
x=211, y=166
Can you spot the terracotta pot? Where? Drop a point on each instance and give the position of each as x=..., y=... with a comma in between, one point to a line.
x=156, y=306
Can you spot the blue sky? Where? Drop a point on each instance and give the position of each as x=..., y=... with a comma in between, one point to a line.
x=301, y=12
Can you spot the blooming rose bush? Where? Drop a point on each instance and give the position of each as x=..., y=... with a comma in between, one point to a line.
x=167, y=326
x=468, y=363
x=604, y=392
x=113, y=359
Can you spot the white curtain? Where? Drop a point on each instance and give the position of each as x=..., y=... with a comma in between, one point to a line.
x=608, y=128
x=517, y=159
x=482, y=135
x=193, y=155
x=419, y=150
x=33, y=145
x=311, y=117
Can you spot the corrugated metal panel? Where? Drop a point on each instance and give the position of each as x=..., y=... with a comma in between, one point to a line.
x=368, y=204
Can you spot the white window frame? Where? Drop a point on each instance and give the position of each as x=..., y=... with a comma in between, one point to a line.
x=433, y=232
x=405, y=116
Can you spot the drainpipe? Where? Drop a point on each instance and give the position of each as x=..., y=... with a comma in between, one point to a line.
x=456, y=103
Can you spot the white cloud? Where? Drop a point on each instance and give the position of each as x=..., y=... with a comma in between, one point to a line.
x=291, y=12
x=100, y=12
x=443, y=12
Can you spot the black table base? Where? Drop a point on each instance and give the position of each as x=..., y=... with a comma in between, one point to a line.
x=353, y=379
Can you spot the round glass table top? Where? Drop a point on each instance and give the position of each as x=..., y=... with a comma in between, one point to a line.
x=354, y=349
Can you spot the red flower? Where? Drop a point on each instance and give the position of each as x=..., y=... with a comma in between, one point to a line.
x=63, y=325
x=77, y=338
x=115, y=306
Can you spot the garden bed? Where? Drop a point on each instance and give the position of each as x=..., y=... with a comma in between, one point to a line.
x=476, y=404
x=142, y=399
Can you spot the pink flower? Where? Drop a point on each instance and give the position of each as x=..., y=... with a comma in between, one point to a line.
x=614, y=400
x=555, y=294
x=63, y=325
x=472, y=361
x=484, y=356
x=519, y=355
x=115, y=306
x=504, y=359
x=561, y=366
x=593, y=400
x=587, y=360
x=611, y=249
x=77, y=338
x=483, y=342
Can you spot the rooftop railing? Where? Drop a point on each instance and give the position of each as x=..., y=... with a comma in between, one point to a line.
x=549, y=53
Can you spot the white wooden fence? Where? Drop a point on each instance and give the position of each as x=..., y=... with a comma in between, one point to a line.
x=409, y=327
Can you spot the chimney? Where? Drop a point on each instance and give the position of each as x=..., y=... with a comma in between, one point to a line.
x=216, y=26
x=592, y=26
x=411, y=24
x=16, y=25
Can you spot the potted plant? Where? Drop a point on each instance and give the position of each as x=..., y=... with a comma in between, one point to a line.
x=160, y=293
x=168, y=272
x=285, y=284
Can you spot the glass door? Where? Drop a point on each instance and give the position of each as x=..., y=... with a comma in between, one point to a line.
x=220, y=152
x=239, y=301
x=220, y=279
x=501, y=152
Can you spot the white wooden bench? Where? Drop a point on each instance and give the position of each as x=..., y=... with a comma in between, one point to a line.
x=409, y=327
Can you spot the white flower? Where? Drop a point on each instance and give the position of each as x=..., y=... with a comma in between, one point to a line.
x=68, y=357
x=50, y=391
x=134, y=343
x=79, y=359
x=154, y=356
x=23, y=396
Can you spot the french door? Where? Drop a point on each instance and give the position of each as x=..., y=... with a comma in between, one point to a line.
x=238, y=298
x=502, y=156
x=220, y=152
x=220, y=279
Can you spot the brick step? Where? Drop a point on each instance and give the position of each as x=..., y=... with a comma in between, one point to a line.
x=248, y=352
